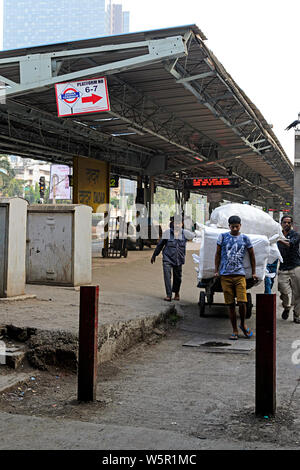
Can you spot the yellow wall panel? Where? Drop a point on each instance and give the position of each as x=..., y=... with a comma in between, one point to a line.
x=91, y=180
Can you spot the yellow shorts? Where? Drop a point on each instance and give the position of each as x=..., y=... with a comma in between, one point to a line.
x=234, y=286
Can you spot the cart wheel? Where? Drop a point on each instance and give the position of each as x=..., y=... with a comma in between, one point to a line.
x=202, y=304
x=249, y=306
x=140, y=245
x=210, y=298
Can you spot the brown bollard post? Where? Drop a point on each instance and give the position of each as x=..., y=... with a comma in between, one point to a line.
x=88, y=343
x=265, y=383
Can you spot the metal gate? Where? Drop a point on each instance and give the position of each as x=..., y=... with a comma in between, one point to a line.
x=117, y=239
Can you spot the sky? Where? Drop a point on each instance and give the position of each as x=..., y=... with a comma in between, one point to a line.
x=257, y=41
x=1, y=24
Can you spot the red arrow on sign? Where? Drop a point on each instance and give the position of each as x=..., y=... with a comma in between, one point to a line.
x=91, y=99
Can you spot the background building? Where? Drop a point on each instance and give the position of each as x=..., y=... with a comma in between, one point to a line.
x=126, y=21
x=29, y=170
x=117, y=19
x=28, y=23
x=36, y=22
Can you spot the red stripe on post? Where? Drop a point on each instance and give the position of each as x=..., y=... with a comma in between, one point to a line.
x=265, y=383
x=88, y=343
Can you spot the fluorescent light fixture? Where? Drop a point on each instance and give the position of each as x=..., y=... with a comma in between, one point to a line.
x=123, y=133
x=106, y=119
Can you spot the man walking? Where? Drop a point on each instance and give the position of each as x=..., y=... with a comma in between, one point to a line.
x=289, y=270
x=229, y=264
x=173, y=244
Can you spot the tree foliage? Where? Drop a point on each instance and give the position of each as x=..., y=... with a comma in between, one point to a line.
x=9, y=185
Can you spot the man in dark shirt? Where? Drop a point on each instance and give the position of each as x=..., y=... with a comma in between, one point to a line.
x=173, y=244
x=289, y=270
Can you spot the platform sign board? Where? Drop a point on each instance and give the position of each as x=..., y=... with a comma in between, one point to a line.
x=114, y=181
x=82, y=97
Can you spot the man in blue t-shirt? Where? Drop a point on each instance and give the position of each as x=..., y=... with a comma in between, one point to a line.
x=229, y=264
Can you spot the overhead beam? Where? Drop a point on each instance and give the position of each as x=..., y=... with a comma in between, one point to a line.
x=145, y=115
x=196, y=77
x=33, y=118
x=50, y=146
x=37, y=70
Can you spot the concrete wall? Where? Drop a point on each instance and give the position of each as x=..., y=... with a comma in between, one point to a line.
x=15, y=249
x=59, y=248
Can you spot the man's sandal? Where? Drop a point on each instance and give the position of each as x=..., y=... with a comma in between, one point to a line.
x=247, y=332
x=167, y=299
x=234, y=336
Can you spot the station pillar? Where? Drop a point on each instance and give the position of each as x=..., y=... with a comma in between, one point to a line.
x=213, y=206
x=214, y=200
x=148, y=201
x=144, y=200
x=149, y=194
x=296, y=211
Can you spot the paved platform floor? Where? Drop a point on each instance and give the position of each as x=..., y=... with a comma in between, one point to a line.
x=161, y=396
x=129, y=288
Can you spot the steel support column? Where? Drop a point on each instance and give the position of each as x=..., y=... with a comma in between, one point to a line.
x=296, y=214
x=88, y=343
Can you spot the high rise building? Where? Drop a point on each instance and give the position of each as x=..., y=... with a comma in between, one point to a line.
x=29, y=23
x=117, y=19
x=126, y=18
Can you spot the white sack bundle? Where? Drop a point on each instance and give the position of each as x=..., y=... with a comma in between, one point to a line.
x=263, y=250
x=254, y=220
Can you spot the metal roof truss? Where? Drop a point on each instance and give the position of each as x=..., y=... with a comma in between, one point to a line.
x=181, y=149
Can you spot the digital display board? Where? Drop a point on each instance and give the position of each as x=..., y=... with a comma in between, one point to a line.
x=212, y=182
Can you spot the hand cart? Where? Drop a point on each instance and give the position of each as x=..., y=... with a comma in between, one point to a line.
x=214, y=285
x=117, y=239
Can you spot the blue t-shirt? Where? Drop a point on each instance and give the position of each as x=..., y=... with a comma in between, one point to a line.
x=233, y=250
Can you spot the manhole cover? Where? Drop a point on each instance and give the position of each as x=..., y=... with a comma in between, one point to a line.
x=221, y=345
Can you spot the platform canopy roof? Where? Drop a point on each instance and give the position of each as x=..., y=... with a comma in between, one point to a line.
x=175, y=113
